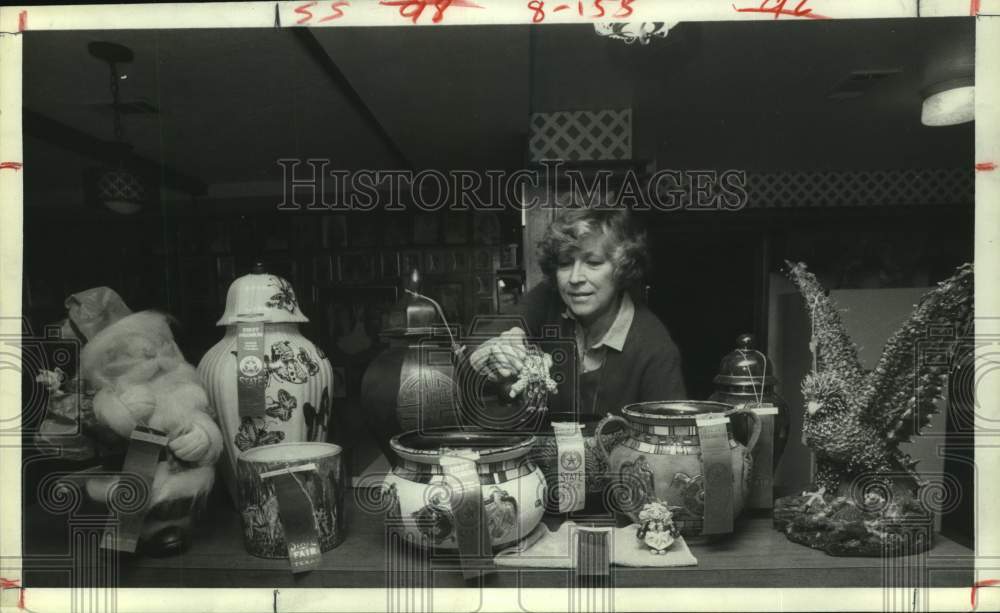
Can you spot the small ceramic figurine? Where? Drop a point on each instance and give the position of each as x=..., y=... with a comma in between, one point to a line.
x=656, y=527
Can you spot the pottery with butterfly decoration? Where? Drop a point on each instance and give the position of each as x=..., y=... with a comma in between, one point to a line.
x=294, y=373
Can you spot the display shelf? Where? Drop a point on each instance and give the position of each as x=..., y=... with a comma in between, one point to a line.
x=755, y=556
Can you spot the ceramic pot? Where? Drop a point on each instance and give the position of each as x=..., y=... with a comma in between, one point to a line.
x=418, y=500
x=660, y=459
x=298, y=390
x=263, y=533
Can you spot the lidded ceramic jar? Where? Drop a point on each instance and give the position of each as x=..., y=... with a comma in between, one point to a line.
x=662, y=458
x=746, y=379
x=417, y=493
x=411, y=384
x=263, y=359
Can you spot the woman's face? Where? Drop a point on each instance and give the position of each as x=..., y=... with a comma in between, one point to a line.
x=586, y=279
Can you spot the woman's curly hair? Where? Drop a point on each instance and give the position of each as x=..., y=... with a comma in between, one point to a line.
x=625, y=242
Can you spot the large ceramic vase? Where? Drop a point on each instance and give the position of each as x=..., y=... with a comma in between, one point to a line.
x=297, y=393
x=418, y=492
x=660, y=458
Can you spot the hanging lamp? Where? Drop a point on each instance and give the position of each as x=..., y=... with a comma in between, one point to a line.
x=118, y=188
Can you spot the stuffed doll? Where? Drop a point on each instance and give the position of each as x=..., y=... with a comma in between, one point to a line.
x=142, y=378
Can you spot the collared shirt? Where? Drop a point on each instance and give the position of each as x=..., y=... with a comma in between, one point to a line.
x=591, y=358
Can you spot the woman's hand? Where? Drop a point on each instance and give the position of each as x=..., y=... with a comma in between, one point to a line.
x=501, y=357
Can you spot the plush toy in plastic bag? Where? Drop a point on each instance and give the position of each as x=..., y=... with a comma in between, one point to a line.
x=142, y=378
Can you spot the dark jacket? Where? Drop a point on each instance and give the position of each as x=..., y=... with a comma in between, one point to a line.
x=648, y=367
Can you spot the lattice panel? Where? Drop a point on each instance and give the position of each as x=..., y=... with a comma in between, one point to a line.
x=860, y=188
x=581, y=135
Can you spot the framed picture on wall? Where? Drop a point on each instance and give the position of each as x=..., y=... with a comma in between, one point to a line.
x=365, y=227
x=397, y=229
x=389, y=264
x=426, y=228
x=459, y=261
x=322, y=266
x=358, y=267
x=334, y=231
x=434, y=262
x=485, y=260
x=306, y=232
x=455, y=228
x=486, y=229
x=410, y=260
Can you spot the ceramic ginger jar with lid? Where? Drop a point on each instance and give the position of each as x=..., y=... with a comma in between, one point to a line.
x=268, y=383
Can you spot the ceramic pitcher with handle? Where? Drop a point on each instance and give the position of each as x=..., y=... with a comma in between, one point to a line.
x=682, y=453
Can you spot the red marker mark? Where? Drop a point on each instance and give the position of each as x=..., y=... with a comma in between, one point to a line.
x=539, y=10
x=777, y=8
x=537, y=7
x=22, y=21
x=12, y=584
x=979, y=584
x=986, y=166
x=627, y=10
x=15, y=166
x=413, y=9
x=974, y=7
x=337, y=12
x=303, y=9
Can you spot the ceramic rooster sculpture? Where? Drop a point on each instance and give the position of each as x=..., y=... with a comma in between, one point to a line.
x=855, y=420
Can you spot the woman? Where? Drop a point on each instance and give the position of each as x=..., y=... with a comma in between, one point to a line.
x=591, y=258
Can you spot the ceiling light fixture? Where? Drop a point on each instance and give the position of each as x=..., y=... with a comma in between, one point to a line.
x=118, y=189
x=949, y=103
x=642, y=32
